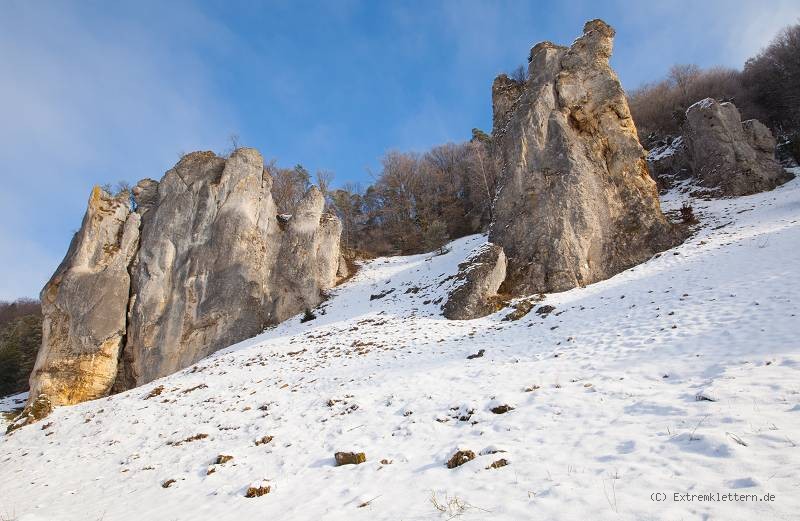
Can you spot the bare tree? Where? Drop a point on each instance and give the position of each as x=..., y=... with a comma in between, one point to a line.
x=289, y=185
x=773, y=80
x=520, y=74
x=324, y=180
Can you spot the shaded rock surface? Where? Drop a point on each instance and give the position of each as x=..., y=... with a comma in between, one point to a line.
x=736, y=157
x=576, y=203
x=201, y=263
x=478, y=279
x=721, y=154
x=201, y=279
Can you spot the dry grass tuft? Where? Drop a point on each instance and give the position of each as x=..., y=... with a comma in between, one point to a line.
x=502, y=462
x=263, y=440
x=155, y=392
x=188, y=440
x=459, y=458
x=257, y=490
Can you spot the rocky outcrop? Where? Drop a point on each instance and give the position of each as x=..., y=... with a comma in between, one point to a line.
x=200, y=263
x=735, y=157
x=576, y=203
x=200, y=281
x=84, y=305
x=721, y=155
x=477, y=281
x=309, y=256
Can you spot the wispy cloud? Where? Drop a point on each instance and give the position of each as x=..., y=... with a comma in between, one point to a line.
x=97, y=91
x=91, y=94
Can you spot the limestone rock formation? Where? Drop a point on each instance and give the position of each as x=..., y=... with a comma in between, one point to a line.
x=201, y=263
x=576, y=203
x=200, y=281
x=505, y=93
x=720, y=154
x=737, y=158
x=84, y=305
x=308, y=258
x=477, y=281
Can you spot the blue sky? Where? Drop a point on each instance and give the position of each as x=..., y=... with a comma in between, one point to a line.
x=94, y=91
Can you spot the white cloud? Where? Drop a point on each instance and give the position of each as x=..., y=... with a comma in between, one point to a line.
x=754, y=24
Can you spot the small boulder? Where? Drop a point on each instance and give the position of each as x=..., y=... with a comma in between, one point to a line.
x=502, y=462
x=521, y=308
x=263, y=440
x=350, y=458
x=479, y=354
x=545, y=310
x=502, y=409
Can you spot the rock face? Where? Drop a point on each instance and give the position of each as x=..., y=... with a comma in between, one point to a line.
x=576, y=203
x=203, y=262
x=200, y=280
x=84, y=305
x=478, y=279
x=309, y=257
x=736, y=157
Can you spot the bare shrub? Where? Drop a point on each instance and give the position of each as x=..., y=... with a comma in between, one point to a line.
x=687, y=214
x=773, y=79
x=519, y=74
x=659, y=108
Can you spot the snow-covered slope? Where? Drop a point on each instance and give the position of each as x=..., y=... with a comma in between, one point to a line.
x=681, y=375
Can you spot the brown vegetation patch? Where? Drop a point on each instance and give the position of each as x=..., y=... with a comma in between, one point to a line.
x=459, y=458
x=188, y=440
x=156, y=391
x=257, y=491
x=263, y=440
x=196, y=387
x=502, y=462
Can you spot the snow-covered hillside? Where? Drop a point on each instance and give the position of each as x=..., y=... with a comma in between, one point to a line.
x=681, y=375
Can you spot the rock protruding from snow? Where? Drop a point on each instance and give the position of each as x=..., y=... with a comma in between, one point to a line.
x=215, y=265
x=84, y=305
x=202, y=263
x=576, y=203
x=736, y=157
x=308, y=258
x=477, y=281
x=201, y=279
